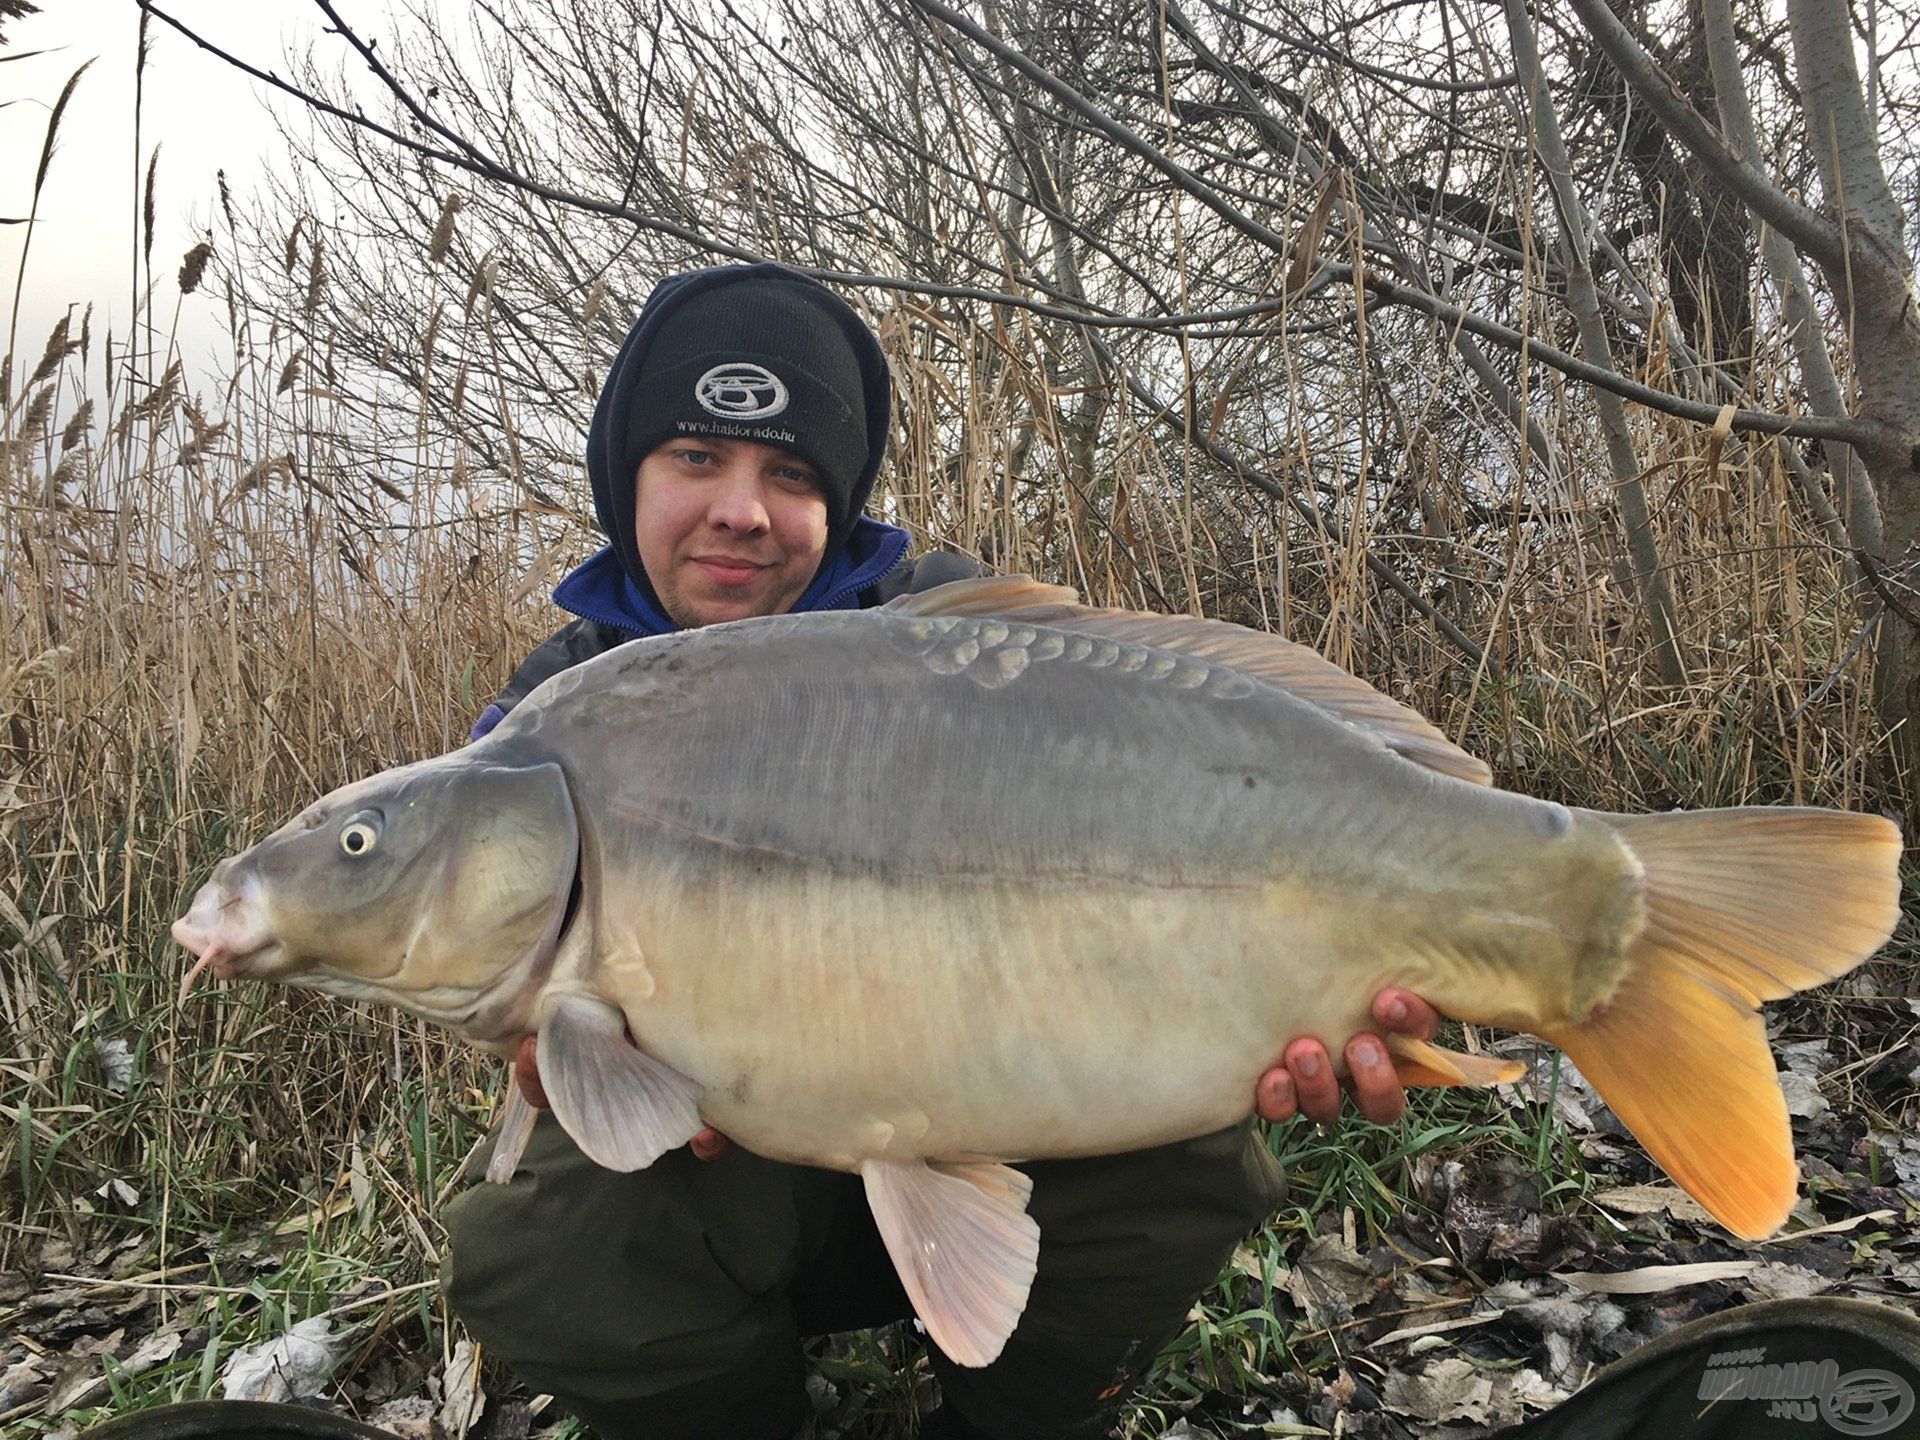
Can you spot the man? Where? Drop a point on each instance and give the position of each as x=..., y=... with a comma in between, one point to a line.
x=732, y=452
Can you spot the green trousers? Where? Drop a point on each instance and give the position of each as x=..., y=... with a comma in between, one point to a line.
x=672, y=1302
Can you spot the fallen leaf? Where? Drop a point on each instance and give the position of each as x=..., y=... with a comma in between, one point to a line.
x=87, y=1381
x=1871, y=1217
x=1804, y=1099
x=1248, y=1263
x=1653, y=1279
x=409, y=1419
x=294, y=1366
x=23, y=1382
x=1534, y=1391
x=510, y=1420
x=1576, y=1104
x=1903, y=1153
x=121, y=1191
x=84, y=1372
x=1778, y=1281
x=1451, y=1389
x=464, y=1399
x=1284, y=1421
x=1650, y=1199
x=115, y=1059
x=1438, y=1327
x=1329, y=1279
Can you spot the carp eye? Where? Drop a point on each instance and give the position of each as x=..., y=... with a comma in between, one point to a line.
x=359, y=835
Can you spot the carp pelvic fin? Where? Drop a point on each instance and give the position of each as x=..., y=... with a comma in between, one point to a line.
x=623, y=1108
x=516, y=1128
x=1418, y=1063
x=964, y=1245
x=1742, y=905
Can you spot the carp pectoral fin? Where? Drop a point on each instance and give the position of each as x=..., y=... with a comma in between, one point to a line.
x=964, y=1245
x=1418, y=1063
x=623, y=1108
x=516, y=1128
x=1742, y=905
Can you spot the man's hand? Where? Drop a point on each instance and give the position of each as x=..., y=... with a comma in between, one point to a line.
x=709, y=1144
x=1303, y=1082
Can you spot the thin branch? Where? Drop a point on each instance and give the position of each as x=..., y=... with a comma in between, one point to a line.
x=1807, y=228
x=1806, y=427
x=1173, y=419
x=1112, y=129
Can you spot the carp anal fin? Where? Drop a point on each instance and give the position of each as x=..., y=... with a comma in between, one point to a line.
x=623, y=1108
x=1418, y=1063
x=1742, y=905
x=516, y=1128
x=964, y=1245
x=1297, y=669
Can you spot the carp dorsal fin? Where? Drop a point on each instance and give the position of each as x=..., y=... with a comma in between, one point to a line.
x=1298, y=670
x=984, y=595
x=623, y=1108
x=964, y=1245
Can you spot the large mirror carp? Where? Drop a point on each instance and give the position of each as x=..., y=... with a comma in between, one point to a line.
x=986, y=876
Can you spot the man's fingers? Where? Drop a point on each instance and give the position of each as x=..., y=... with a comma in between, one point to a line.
x=1314, y=1085
x=1404, y=1013
x=1273, y=1098
x=526, y=1073
x=1376, y=1086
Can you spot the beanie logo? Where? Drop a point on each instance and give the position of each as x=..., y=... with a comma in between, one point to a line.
x=741, y=391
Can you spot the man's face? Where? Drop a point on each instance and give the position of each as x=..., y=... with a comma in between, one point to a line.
x=727, y=528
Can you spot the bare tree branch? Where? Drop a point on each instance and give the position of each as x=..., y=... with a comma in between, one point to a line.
x=1807, y=228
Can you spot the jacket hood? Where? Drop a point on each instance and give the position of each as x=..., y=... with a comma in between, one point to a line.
x=603, y=591
x=611, y=463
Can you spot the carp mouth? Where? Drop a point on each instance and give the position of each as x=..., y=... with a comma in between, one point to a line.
x=225, y=932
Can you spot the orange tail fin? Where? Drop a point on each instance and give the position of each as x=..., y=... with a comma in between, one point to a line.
x=1743, y=905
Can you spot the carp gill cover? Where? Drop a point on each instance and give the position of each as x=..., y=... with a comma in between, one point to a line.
x=985, y=876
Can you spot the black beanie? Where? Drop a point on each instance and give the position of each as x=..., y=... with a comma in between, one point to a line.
x=748, y=352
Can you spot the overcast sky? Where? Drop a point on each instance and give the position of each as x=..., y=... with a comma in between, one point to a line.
x=204, y=115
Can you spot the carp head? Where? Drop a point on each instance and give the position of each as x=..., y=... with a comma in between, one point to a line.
x=440, y=887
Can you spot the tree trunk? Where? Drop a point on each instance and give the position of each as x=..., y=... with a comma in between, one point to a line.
x=1643, y=551
x=1874, y=284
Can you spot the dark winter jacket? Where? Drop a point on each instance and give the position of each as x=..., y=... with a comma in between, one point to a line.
x=613, y=610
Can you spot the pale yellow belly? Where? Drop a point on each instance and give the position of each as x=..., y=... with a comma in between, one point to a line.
x=833, y=1020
